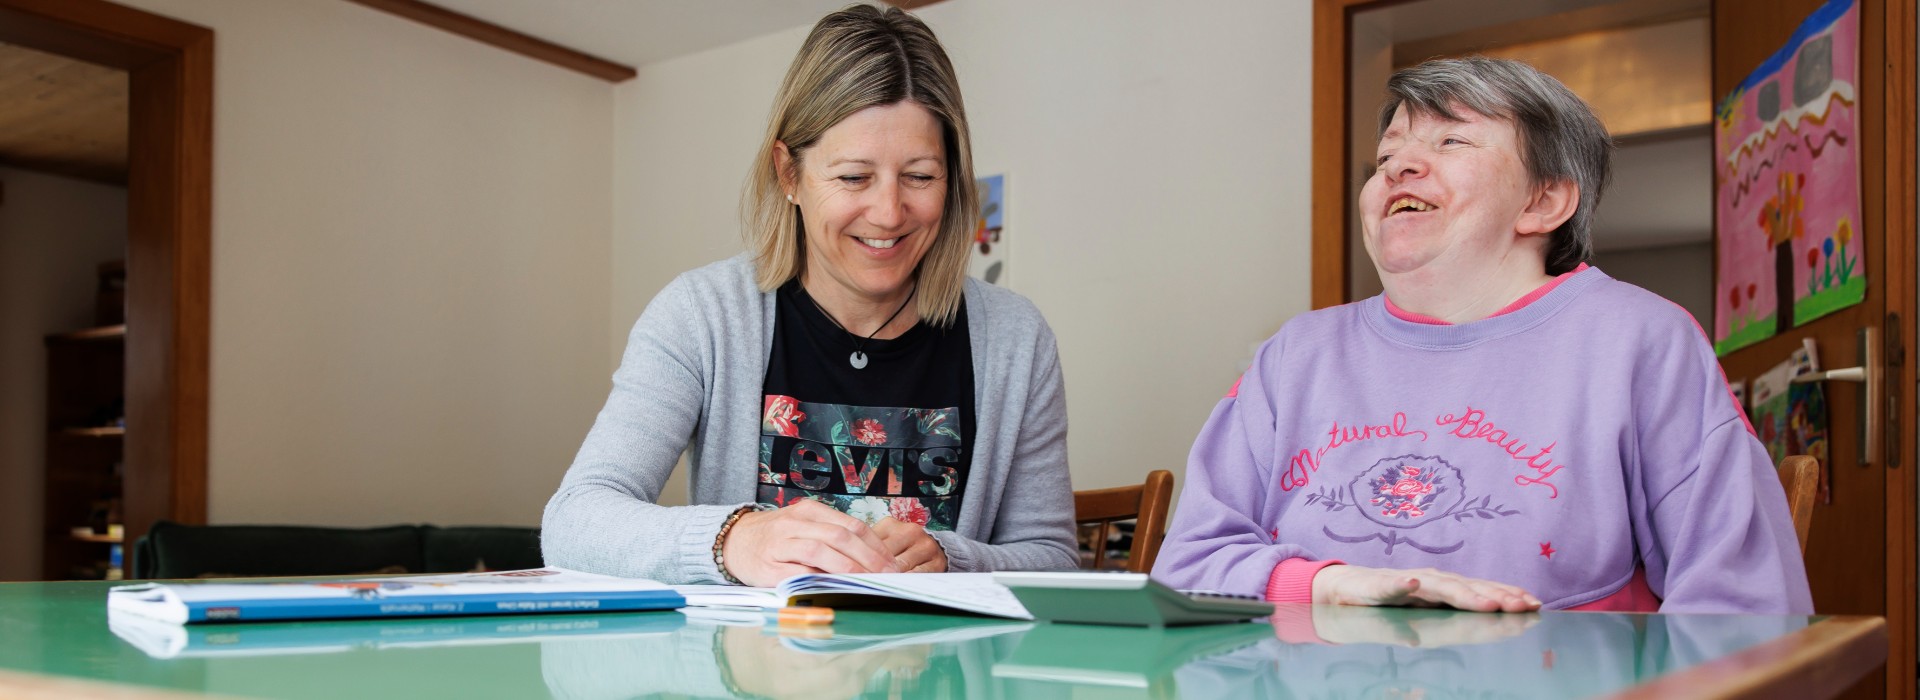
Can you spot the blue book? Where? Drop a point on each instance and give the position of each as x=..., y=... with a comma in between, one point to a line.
x=162, y=640
x=545, y=590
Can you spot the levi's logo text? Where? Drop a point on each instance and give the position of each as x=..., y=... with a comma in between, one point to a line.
x=868, y=462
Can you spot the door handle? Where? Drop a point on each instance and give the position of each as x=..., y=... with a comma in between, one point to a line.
x=1847, y=374
x=1872, y=396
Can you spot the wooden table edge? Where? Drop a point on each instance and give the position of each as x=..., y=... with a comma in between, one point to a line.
x=1820, y=660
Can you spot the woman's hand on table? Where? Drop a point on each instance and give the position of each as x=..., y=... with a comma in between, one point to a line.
x=805, y=537
x=912, y=548
x=1414, y=628
x=1344, y=584
x=758, y=664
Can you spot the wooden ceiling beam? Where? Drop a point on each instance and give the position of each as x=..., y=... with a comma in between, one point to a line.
x=503, y=38
x=135, y=38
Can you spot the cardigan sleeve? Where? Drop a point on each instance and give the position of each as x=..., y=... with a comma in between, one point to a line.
x=605, y=517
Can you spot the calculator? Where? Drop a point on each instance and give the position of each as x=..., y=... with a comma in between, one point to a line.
x=1123, y=599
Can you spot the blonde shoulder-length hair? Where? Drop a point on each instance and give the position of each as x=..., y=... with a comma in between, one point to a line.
x=860, y=57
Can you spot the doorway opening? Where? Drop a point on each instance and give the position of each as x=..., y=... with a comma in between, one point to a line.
x=168, y=66
x=63, y=246
x=1643, y=67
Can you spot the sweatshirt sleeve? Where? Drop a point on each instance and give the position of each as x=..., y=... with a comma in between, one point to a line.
x=1220, y=539
x=1292, y=579
x=1710, y=516
x=1033, y=524
x=605, y=517
x=1722, y=539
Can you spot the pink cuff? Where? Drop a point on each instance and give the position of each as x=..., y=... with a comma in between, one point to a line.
x=1293, y=624
x=1636, y=596
x=1290, y=586
x=1292, y=579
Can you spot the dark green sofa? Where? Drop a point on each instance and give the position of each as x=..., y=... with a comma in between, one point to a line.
x=172, y=550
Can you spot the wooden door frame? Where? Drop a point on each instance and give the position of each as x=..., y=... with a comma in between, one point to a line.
x=1903, y=490
x=1333, y=208
x=170, y=218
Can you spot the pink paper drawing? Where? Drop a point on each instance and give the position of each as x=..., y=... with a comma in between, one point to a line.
x=1787, y=185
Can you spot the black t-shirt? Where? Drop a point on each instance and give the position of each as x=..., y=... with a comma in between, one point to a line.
x=892, y=439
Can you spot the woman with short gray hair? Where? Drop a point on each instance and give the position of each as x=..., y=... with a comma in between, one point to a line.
x=1505, y=427
x=885, y=440
x=1562, y=139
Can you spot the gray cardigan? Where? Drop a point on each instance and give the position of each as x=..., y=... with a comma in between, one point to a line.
x=691, y=381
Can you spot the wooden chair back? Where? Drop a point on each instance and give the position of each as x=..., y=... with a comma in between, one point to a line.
x=1146, y=504
x=1800, y=476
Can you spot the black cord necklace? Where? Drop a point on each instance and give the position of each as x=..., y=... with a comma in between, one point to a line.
x=859, y=358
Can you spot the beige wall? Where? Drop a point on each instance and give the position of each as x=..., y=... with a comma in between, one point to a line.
x=1156, y=160
x=410, y=278
x=414, y=312
x=684, y=131
x=54, y=231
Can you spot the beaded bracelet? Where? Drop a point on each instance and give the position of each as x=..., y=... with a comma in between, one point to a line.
x=720, y=540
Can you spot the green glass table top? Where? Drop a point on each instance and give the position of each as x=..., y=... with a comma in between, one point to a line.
x=63, y=630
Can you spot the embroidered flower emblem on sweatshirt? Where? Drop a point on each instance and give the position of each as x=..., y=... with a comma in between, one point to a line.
x=1405, y=491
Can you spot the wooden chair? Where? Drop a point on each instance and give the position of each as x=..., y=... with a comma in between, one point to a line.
x=1800, y=476
x=1145, y=504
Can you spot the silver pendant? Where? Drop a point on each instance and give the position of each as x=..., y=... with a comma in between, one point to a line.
x=857, y=359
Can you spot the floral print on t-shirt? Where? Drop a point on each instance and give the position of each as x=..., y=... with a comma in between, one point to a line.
x=868, y=462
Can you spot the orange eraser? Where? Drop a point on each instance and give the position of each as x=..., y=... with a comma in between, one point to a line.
x=806, y=616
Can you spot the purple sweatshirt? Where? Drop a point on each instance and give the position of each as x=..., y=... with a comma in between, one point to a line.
x=1557, y=448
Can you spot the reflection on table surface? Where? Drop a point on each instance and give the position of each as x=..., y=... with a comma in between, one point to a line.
x=1385, y=653
x=1304, y=651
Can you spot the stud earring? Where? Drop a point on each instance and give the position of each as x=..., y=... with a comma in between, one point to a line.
x=789, y=199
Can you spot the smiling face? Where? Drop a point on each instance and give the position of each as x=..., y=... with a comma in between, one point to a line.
x=1448, y=196
x=871, y=192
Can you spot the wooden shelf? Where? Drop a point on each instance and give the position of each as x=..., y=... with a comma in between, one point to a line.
x=110, y=431
x=118, y=332
x=86, y=388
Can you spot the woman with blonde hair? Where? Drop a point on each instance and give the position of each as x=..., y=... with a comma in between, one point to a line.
x=902, y=417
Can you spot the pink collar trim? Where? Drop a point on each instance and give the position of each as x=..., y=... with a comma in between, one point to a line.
x=1518, y=304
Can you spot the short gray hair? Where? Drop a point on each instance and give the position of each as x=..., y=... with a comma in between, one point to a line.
x=1562, y=138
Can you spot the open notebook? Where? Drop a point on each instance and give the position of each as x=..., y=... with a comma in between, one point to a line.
x=966, y=593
